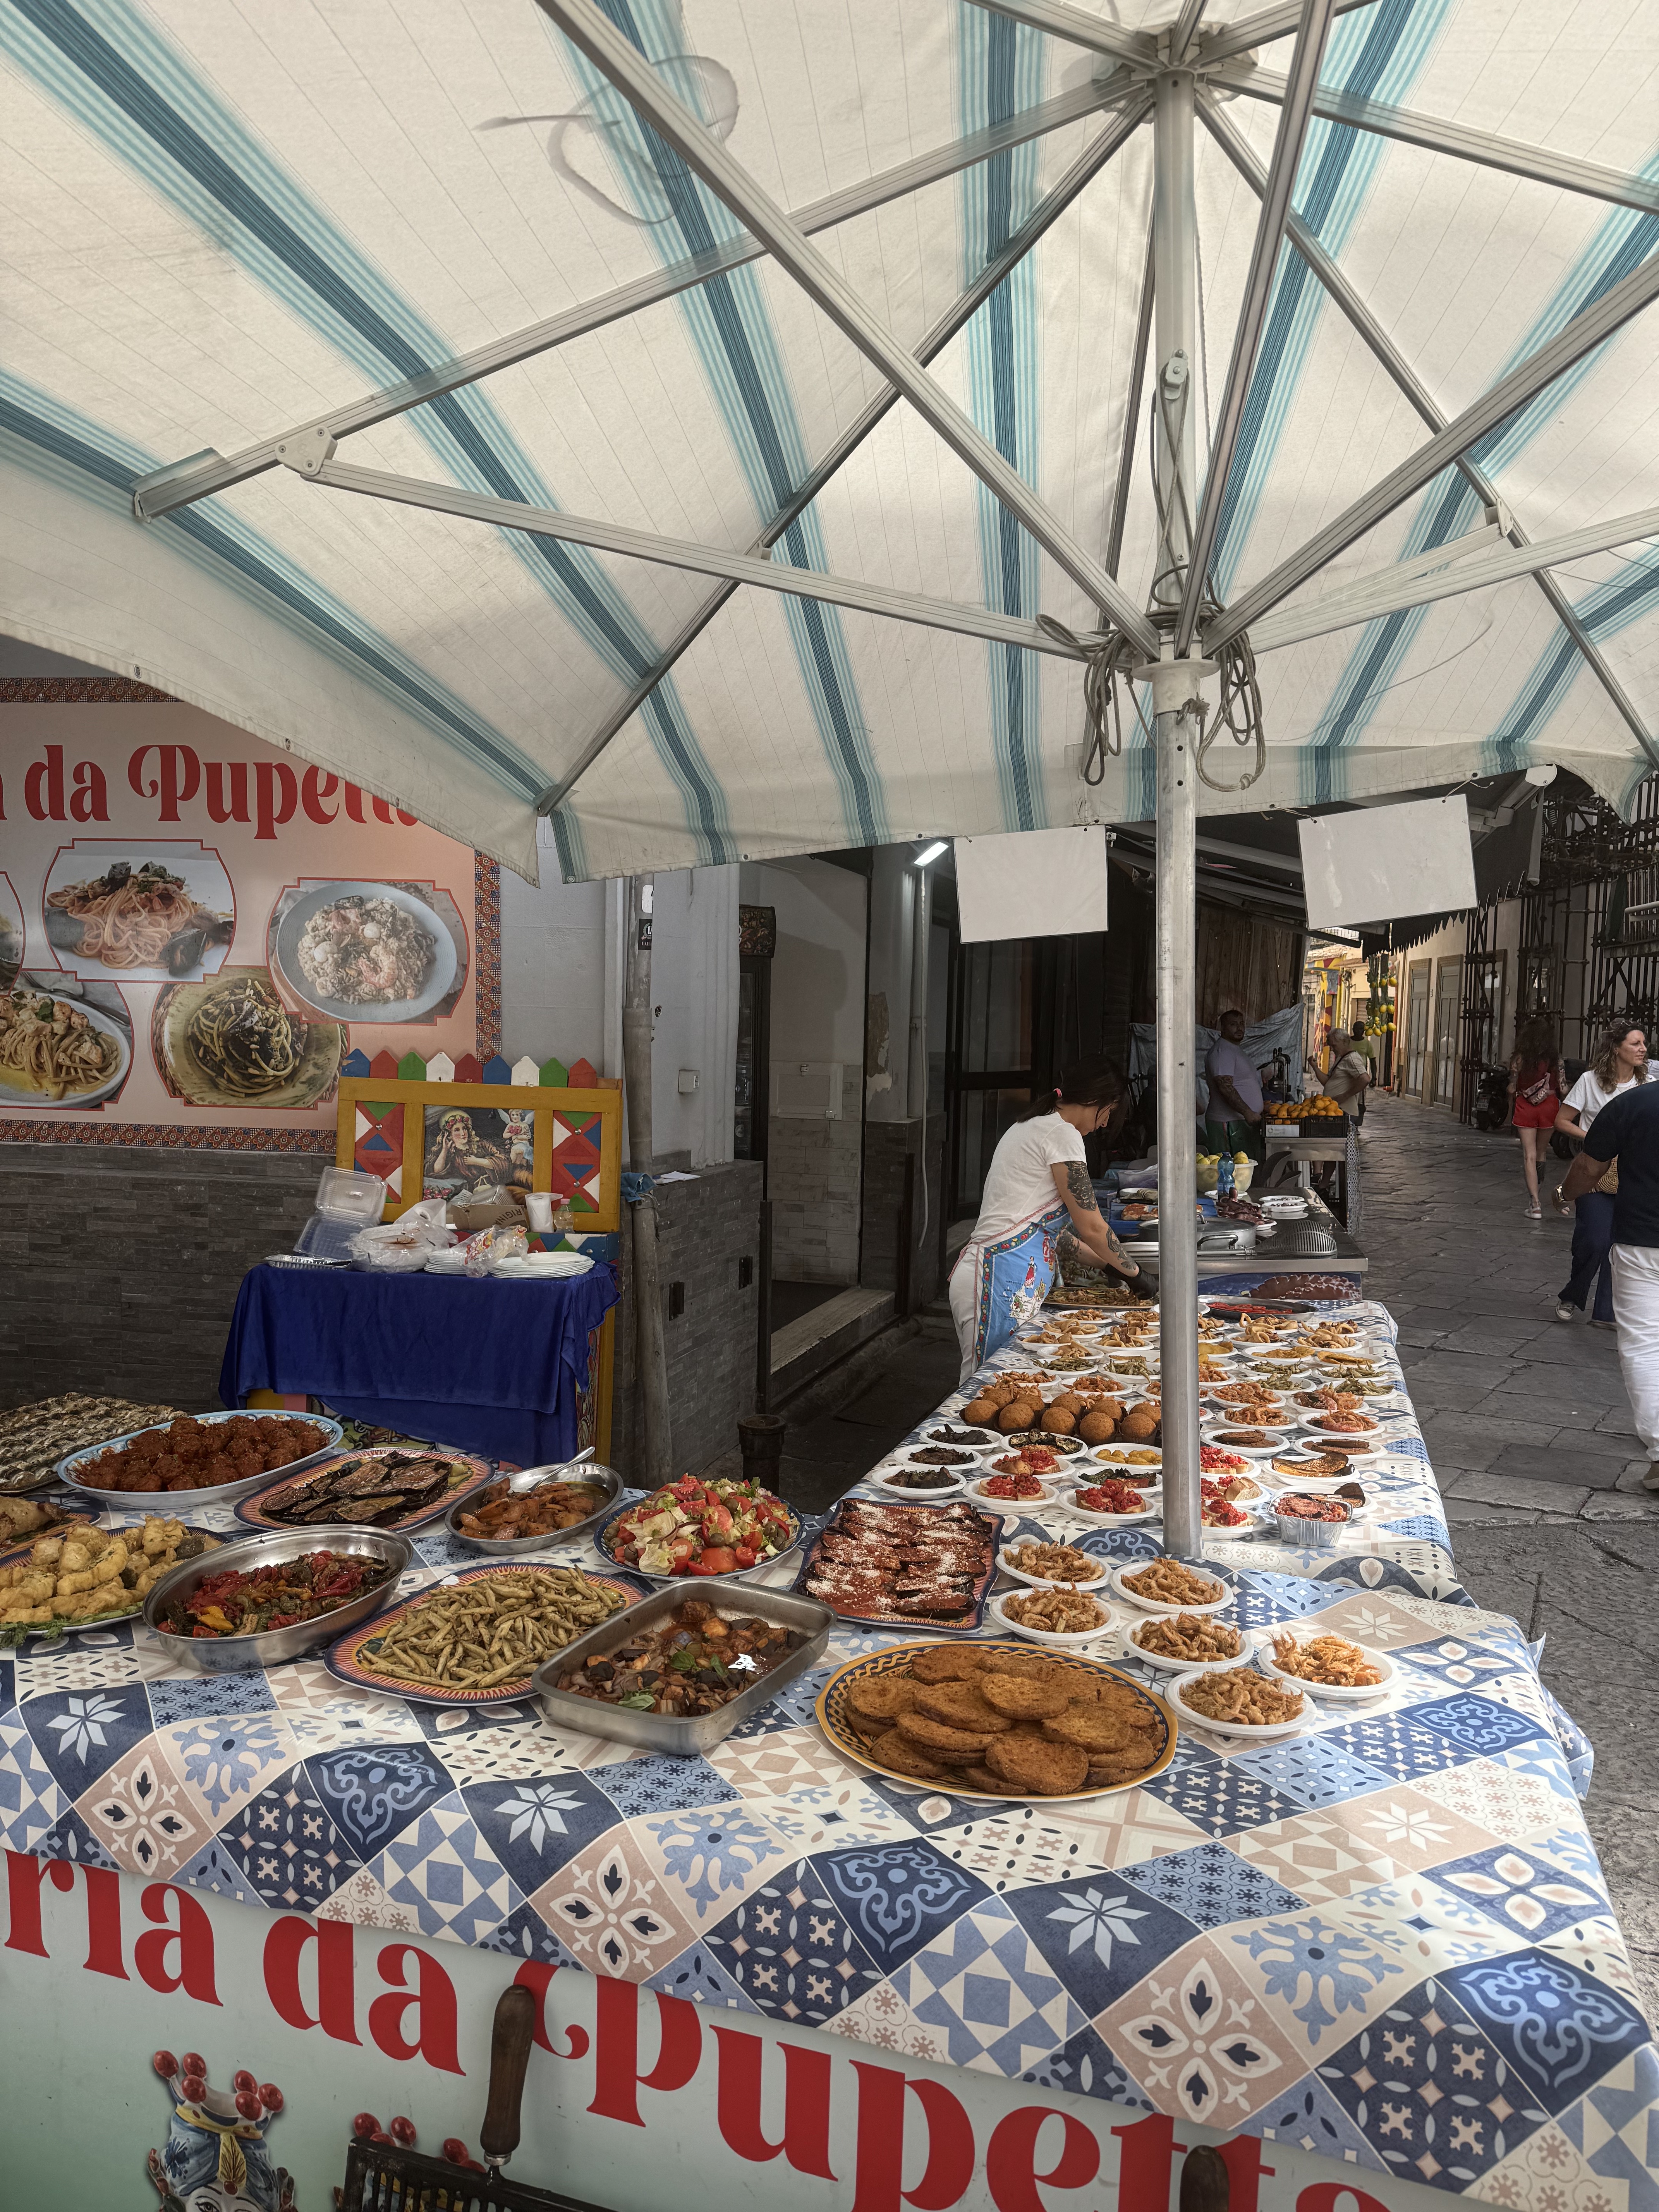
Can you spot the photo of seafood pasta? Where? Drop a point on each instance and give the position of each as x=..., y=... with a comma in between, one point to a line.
x=367, y=952
x=54, y=1048
x=143, y=918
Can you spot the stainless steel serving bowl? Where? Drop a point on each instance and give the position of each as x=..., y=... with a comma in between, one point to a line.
x=603, y=1478
x=238, y=1655
x=223, y=1493
x=663, y=1732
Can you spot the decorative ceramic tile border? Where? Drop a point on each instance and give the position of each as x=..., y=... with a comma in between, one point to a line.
x=168, y=1136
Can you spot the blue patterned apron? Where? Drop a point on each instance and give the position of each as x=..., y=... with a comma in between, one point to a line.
x=1012, y=1278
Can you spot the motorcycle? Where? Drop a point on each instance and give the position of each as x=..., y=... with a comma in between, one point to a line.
x=1492, y=1099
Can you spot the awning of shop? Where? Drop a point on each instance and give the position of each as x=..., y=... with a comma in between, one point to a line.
x=433, y=255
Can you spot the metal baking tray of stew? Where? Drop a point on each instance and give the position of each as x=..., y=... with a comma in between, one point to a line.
x=663, y=1732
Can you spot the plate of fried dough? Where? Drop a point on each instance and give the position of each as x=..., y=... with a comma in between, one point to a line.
x=994, y=1721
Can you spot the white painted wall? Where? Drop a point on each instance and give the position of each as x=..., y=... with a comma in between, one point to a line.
x=553, y=966
x=562, y=962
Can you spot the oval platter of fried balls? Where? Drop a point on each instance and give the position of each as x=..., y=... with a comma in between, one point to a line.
x=994, y=1720
x=1088, y=1410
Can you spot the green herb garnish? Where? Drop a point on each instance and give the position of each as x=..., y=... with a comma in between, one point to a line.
x=641, y=1701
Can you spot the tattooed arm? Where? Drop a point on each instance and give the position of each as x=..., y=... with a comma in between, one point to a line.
x=1093, y=1232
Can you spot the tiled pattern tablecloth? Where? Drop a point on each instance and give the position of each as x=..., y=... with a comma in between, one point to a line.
x=1387, y=1939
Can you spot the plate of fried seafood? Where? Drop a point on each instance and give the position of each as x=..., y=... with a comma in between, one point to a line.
x=1238, y=1701
x=1057, y=1617
x=1330, y=1666
x=996, y=1721
x=1045, y=1565
x=1186, y=1643
x=1165, y=1585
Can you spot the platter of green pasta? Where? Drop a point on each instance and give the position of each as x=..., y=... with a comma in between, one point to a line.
x=477, y=1636
x=229, y=1041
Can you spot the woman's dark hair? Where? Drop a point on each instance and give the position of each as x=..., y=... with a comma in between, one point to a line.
x=1534, y=1042
x=1605, y=1066
x=1082, y=1083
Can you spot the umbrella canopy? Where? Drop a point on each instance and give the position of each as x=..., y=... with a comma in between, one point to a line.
x=867, y=303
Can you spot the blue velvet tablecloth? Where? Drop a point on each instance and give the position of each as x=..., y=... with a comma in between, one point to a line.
x=489, y=1367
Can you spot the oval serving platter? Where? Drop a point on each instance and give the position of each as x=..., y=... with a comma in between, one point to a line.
x=469, y=1471
x=834, y=1719
x=351, y=1657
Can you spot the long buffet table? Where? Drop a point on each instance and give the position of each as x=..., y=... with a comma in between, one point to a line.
x=1376, y=1962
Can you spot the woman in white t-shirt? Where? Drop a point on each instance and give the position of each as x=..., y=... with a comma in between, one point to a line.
x=1620, y=1062
x=1038, y=1181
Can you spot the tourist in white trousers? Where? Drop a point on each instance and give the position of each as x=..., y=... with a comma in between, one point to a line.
x=1627, y=1130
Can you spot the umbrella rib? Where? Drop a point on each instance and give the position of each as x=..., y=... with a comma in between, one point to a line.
x=316, y=465
x=1463, y=144
x=1131, y=410
x=1253, y=311
x=635, y=78
x=1061, y=20
x=1260, y=30
x=182, y=482
x=1381, y=594
x=1591, y=327
x=1416, y=393
x=962, y=311
x=1184, y=30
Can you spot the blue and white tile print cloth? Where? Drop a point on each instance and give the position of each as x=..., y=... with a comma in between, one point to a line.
x=1387, y=1939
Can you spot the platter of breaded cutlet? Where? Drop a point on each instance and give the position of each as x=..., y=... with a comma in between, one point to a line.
x=996, y=1721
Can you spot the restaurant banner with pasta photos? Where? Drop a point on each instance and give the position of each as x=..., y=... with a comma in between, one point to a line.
x=196, y=928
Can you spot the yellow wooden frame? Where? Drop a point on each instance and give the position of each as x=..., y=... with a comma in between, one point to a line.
x=544, y=1101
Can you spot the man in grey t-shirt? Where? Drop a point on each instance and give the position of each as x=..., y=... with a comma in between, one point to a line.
x=1232, y=1119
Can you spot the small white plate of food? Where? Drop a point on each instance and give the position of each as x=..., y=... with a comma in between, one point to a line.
x=1246, y=1441
x=1063, y=1617
x=1166, y=1585
x=1051, y=1566
x=1188, y=1643
x=1011, y=1495
x=1331, y=1665
x=1112, y=1502
x=1238, y=1701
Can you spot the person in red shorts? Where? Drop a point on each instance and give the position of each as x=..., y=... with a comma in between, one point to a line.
x=1538, y=1083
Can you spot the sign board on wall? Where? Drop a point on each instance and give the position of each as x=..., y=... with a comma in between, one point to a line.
x=196, y=930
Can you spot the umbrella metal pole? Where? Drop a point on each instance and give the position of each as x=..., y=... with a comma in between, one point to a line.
x=1177, y=1101
x=1175, y=259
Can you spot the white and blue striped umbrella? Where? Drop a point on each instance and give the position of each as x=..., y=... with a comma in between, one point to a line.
x=224, y=221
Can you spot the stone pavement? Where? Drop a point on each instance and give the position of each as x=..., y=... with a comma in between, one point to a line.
x=1525, y=1417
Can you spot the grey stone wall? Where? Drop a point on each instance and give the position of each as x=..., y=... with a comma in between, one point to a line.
x=813, y=1180
x=705, y=1228
x=119, y=1266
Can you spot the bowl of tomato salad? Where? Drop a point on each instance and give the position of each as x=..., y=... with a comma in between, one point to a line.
x=274, y=1597
x=727, y=1526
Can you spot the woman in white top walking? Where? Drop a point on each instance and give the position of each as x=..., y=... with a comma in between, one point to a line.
x=1620, y=1062
x=1038, y=1181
